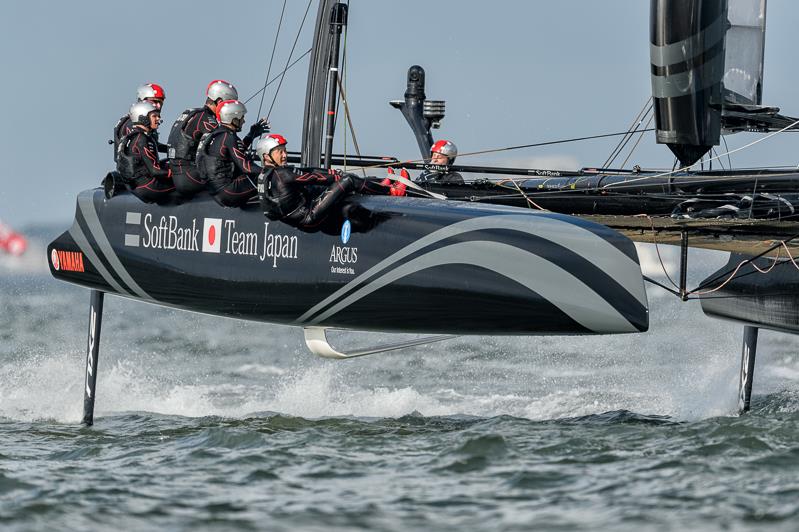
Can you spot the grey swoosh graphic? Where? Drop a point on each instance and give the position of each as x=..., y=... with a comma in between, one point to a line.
x=539, y=275
x=689, y=48
x=590, y=246
x=86, y=205
x=83, y=243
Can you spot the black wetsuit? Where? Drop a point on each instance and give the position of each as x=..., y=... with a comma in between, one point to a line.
x=123, y=127
x=186, y=133
x=449, y=178
x=304, y=198
x=137, y=161
x=223, y=164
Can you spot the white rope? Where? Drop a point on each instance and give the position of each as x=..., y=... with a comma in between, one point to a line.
x=664, y=174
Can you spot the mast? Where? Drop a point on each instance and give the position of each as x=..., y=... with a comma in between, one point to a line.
x=330, y=18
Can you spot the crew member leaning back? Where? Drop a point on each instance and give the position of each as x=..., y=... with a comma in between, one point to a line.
x=188, y=130
x=222, y=160
x=137, y=156
x=442, y=153
x=304, y=198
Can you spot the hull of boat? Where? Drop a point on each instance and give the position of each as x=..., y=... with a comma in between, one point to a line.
x=769, y=301
x=400, y=264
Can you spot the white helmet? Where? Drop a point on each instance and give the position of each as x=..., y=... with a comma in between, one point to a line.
x=219, y=88
x=231, y=112
x=269, y=143
x=140, y=112
x=445, y=148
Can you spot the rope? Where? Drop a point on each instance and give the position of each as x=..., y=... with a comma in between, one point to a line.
x=297, y=38
x=349, y=121
x=259, y=91
x=271, y=58
x=636, y=123
x=683, y=169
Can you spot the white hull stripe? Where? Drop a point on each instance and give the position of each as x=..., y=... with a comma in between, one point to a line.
x=86, y=205
x=583, y=242
x=537, y=274
x=83, y=243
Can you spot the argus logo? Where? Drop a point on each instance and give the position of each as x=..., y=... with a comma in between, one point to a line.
x=346, y=231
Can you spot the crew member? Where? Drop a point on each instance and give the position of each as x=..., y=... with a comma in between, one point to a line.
x=149, y=92
x=297, y=196
x=442, y=153
x=137, y=156
x=222, y=161
x=188, y=130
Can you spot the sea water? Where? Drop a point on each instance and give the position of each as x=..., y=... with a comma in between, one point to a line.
x=205, y=423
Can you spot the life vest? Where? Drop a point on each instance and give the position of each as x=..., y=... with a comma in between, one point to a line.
x=215, y=170
x=181, y=145
x=119, y=132
x=130, y=166
x=269, y=204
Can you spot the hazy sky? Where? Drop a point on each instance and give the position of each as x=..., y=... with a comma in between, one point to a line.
x=512, y=72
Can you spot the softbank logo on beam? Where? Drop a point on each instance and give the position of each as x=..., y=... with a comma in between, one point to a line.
x=166, y=232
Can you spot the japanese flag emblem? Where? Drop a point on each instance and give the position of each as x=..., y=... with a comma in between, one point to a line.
x=212, y=235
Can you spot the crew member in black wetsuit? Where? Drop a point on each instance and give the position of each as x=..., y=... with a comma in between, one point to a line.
x=222, y=159
x=304, y=198
x=188, y=130
x=149, y=92
x=137, y=156
x=442, y=153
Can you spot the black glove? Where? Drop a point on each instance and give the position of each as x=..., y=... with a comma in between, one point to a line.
x=259, y=128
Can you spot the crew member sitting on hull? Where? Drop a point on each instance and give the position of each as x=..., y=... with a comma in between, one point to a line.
x=442, y=153
x=149, y=92
x=188, y=130
x=137, y=156
x=297, y=196
x=222, y=159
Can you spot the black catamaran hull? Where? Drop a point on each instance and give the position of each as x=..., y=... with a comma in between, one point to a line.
x=768, y=301
x=414, y=265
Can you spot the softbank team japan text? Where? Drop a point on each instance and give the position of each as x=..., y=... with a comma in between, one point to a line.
x=219, y=236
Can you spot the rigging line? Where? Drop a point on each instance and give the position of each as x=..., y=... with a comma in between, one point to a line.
x=724, y=274
x=297, y=38
x=509, y=148
x=657, y=250
x=683, y=169
x=343, y=96
x=259, y=91
x=549, y=143
x=729, y=161
x=271, y=58
x=529, y=201
x=735, y=272
x=661, y=285
x=637, y=142
x=634, y=126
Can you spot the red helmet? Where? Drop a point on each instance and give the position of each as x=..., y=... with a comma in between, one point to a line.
x=150, y=90
x=445, y=148
x=269, y=143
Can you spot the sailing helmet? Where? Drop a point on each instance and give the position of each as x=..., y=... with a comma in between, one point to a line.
x=140, y=112
x=445, y=148
x=219, y=88
x=269, y=143
x=231, y=112
x=150, y=90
